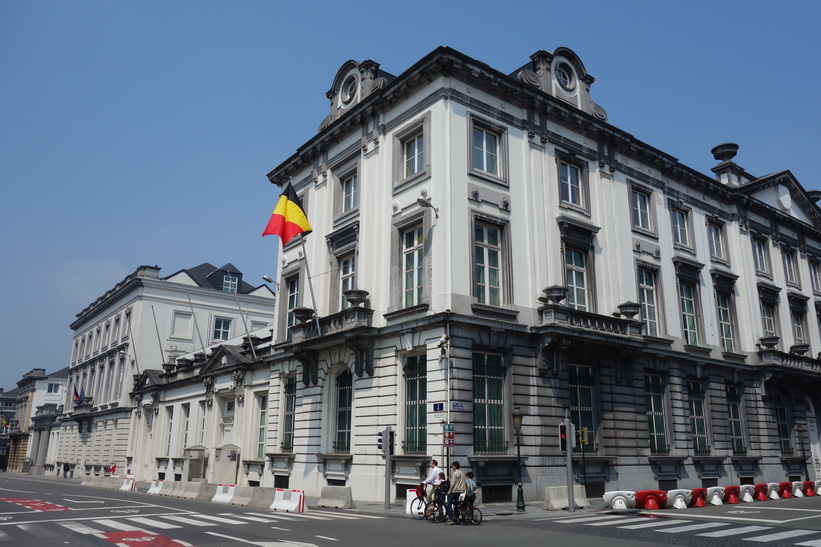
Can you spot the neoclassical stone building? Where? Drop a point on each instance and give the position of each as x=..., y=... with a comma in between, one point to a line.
x=485, y=241
x=126, y=339
x=511, y=248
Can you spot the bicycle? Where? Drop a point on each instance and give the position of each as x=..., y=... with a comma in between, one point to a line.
x=467, y=513
x=419, y=505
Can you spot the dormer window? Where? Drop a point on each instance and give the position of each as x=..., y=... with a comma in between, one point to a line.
x=564, y=75
x=229, y=283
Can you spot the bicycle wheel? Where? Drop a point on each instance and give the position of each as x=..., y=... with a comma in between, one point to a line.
x=476, y=516
x=435, y=511
x=417, y=508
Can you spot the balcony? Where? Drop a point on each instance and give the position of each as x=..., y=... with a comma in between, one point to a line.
x=350, y=319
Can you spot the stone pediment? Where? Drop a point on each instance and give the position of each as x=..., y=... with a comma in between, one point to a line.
x=225, y=357
x=148, y=380
x=782, y=192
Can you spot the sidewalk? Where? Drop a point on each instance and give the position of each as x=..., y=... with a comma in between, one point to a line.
x=490, y=511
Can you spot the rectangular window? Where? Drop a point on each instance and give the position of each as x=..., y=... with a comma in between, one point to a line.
x=262, y=425
x=344, y=406
x=783, y=423
x=576, y=273
x=654, y=400
x=169, y=413
x=413, y=149
x=681, y=233
x=413, y=253
x=54, y=388
x=416, y=402
x=222, y=329
x=647, y=299
x=487, y=267
x=229, y=283
x=761, y=256
x=698, y=420
x=815, y=276
x=488, y=404
x=640, y=205
x=292, y=285
x=203, y=408
x=571, y=182
x=689, y=318
x=725, y=321
x=289, y=414
x=734, y=420
x=715, y=233
x=798, y=331
x=485, y=150
x=768, y=318
x=186, y=415
x=116, y=332
x=790, y=269
x=350, y=193
x=581, y=402
x=347, y=276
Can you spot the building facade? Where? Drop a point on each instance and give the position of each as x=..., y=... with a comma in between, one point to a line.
x=511, y=249
x=39, y=400
x=138, y=327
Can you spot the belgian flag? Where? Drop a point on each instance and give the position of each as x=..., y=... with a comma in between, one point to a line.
x=288, y=218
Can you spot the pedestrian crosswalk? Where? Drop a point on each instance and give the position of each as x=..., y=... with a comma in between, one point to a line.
x=161, y=524
x=754, y=534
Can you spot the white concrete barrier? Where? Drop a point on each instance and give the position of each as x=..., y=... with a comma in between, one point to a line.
x=620, y=499
x=242, y=495
x=192, y=490
x=156, y=486
x=129, y=484
x=207, y=492
x=555, y=497
x=679, y=498
x=772, y=491
x=715, y=495
x=798, y=489
x=339, y=497
x=224, y=493
x=292, y=500
x=410, y=496
x=745, y=493
x=167, y=488
x=262, y=498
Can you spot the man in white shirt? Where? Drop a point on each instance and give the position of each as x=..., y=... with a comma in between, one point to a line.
x=433, y=478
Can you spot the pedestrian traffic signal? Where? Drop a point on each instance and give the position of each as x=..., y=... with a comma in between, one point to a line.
x=563, y=438
x=390, y=442
x=379, y=443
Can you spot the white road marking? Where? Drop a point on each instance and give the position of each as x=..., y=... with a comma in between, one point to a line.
x=192, y=522
x=5, y=537
x=615, y=522
x=652, y=523
x=80, y=528
x=222, y=520
x=582, y=520
x=264, y=543
x=153, y=522
x=275, y=516
x=326, y=537
x=781, y=535
x=691, y=527
x=37, y=531
x=735, y=531
x=123, y=526
x=278, y=528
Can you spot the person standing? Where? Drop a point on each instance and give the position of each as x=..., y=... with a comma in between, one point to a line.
x=433, y=478
x=457, y=488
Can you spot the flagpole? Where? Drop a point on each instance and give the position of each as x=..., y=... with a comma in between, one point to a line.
x=311, y=287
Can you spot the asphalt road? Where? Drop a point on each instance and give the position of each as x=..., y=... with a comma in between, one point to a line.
x=49, y=512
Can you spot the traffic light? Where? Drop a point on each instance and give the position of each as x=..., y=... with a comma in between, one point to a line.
x=563, y=437
x=379, y=443
x=390, y=442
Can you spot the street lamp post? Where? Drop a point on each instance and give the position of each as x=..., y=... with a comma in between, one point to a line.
x=517, y=425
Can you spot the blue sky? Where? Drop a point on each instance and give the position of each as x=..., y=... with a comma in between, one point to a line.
x=140, y=132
